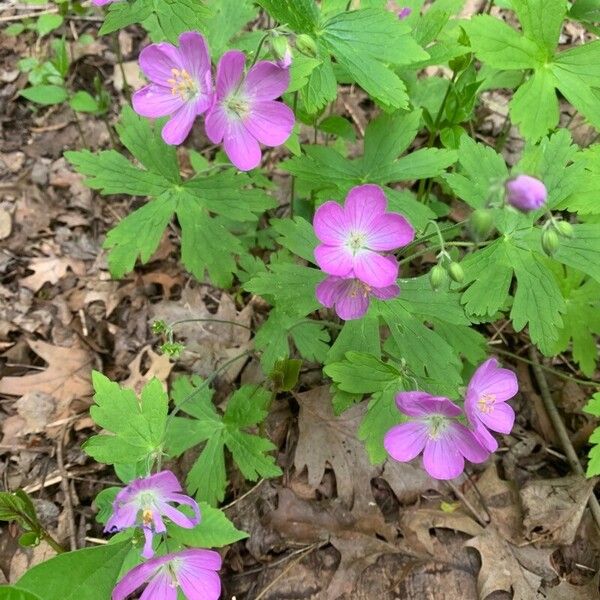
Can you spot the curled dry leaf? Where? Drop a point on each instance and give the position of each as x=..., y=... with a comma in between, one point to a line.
x=50, y=269
x=146, y=366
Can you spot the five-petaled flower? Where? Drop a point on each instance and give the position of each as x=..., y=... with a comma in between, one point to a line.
x=353, y=236
x=193, y=570
x=245, y=111
x=435, y=431
x=146, y=501
x=485, y=402
x=526, y=193
x=350, y=297
x=181, y=84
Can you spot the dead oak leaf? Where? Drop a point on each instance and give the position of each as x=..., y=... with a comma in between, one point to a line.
x=66, y=377
x=145, y=366
x=50, y=269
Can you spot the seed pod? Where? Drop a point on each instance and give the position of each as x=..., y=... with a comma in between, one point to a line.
x=565, y=229
x=306, y=45
x=456, y=272
x=550, y=241
x=482, y=223
x=437, y=276
x=526, y=193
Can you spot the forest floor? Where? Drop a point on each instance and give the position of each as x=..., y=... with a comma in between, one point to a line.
x=360, y=531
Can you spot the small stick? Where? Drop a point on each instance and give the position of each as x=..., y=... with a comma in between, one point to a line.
x=483, y=519
x=66, y=489
x=561, y=430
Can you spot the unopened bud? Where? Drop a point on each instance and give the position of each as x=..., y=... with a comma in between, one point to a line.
x=565, y=229
x=550, y=241
x=482, y=223
x=526, y=193
x=306, y=45
x=437, y=276
x=456, y=272
x=281, y=50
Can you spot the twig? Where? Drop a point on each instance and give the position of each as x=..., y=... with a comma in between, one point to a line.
x=561, y=430
x=66, y=489
x=482, y=519
x=244, y=495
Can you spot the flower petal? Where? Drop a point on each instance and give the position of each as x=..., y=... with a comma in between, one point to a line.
x=160, y=588
x=386, y=293
x=183, y=499
x=164, y=482
x=157, y=62
x=405, y=441
x=490, y=378
x=199, y=584
x=177, y=516
x=270, y=122
x=484, y=437
x=196, y=558
x=328, y=291
x=148, y=551
x=216, y=124
x=135, y=578
x=501, y=418
x=414, y=404
x=334, y=260
x=364, y=204
x=373, y=269
x=123, y=516
x=241, y=147
x=155, y=101
x=442, y=460
x=389, y=231
x=266, y=81
x=179, y=125
x=330, y=224
x=229, y=72
x=353, y=302
x=466, y=443
x=195, y=58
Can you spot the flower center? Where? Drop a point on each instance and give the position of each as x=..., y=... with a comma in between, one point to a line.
x=486, y=403
x=182, y=84
x=237, y=106
x=359, y=289
x=147, y=517
x=437, y=426
x=356, y=241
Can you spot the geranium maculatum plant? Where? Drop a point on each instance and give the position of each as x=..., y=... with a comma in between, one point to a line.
x=400, y=247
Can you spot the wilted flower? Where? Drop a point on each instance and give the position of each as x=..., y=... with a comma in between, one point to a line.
x=193, y=570
x=350, y=297
x=526, y=193
x=181, y=84
x=353, y=235
x=485, y=402
x=435, y=431
x=245, y=111
x=150, y=496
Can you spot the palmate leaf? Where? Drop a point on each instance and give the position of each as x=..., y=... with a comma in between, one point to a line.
x=302, y=16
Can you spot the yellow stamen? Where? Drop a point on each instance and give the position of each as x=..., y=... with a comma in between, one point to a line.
x=182, y=84
x=486, y=403
x=147, y=517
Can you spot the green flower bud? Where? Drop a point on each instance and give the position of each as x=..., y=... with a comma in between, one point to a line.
x=550, y=241
x=281, y=50
x=565, y=229
x=456, y=272
x=307, y=45
x=482, y=223
x=437, y=276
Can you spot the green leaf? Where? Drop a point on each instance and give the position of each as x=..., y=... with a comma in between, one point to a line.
x=582, y=251
x=297, y=235
x=215, y=530
x=593, y=408
x=228, y=18
x=582, y=61
x=13, y=593
x=578, y=92
x=338, y=126
x=48, y=23
x=45, y=94
x=302, y=16
x=499, y=45
x=83, y=102
x=122, y=14
x=586, y=10
x=420, y=164
x=321, y=87
x=534, y=107
x=90, y=573
x=541, y=21
x=311, y=339
x=361, y=335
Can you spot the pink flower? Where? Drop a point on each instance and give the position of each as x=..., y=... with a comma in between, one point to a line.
x=150, y=496
x=526, y=193
x=181, y=84
x=404, y=12
x=435, y=431
x=350, y=297
x=353, y=235
x=245, y=111
x=485, y=402
x=102, y=2
x=193, y=570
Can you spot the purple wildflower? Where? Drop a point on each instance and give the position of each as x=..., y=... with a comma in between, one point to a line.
x=353, y=235
x=151, y=496
x=350, y=297
x=181, y=84
x=485, y=402
x=245, y=111
x=526, y=193
x=435, y=431
x=193, y=570
x=102, y=2
x=404, y=12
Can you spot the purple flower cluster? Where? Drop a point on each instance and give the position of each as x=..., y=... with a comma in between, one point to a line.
x=434, y=428
x=145, y=502
x=353, y=239
x=242, y=112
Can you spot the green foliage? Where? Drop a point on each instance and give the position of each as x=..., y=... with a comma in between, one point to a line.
x=19, y=508
x=593, y=408
x=246, y=408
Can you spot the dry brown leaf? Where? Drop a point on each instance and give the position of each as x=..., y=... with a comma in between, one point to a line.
x=50, y=269
x=36, y=409
x=26, y=558
x=66, y=377
x=146, y=366
x=552, y=508
x=567, y=591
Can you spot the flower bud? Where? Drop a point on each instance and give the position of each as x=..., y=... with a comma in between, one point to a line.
x=550, y=241
x=437, y=276
x=456, y=272
x=565, y=229
x=306, y=45
x=526, y=193
x=482, y=223
x=281, y=50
